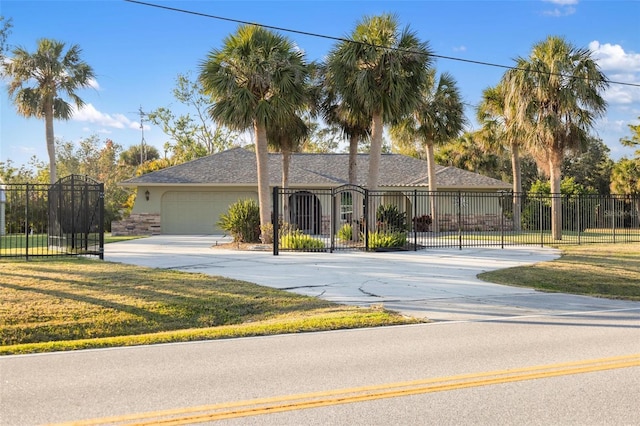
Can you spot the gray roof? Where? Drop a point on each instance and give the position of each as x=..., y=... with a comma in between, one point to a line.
x=237, y=166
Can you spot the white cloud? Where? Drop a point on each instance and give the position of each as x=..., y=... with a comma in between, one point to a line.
x=557, y=13
x=90, y=114
x=613, y=57
x=620, y=66
x=565, y=8
x=562, y=2
x=459, y=48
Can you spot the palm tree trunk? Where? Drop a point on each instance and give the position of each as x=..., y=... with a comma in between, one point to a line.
x=517, y=186
x=262, y=160
x=353, y=156
x=556, y=199
x=51, y=144
x=356, y=199
x=375, y=151
x=433, y=187
x=286, y=160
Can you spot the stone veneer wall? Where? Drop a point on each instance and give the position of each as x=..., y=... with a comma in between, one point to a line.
x=486, y=222
x=137, y=224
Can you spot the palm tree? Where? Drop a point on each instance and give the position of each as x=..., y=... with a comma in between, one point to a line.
x=40, y=79
x=256, y=79
x=380, y=71
x=501, y=130
x=558, y=93
x=625, y=180
x=438, y=119
x=350, y=120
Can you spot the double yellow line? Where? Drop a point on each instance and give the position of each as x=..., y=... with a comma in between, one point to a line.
x=256, y=407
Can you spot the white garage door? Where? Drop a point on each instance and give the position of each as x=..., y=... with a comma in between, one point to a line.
x=197, y=212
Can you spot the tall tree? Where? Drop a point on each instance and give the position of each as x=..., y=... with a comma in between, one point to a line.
x=625, y=176
x=558, y=92
x=381, y=71
x=5, y=29
x=193, y=134
x=351, y=120
x=39, y=80
x=501, y=130
x=590, y=168
x=256, y=79
x=437, y=119
x=467, y=152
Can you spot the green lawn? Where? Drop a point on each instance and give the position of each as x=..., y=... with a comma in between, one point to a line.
x=604, y=270
x=13, y=244
x=63, y=304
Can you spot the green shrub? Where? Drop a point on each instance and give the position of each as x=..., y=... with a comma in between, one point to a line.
x=387, y=239
x=242, y=221
x=390, y=219
x=345, y=233
x=296, y=240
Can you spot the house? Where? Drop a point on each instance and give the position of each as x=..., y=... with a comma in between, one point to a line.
x=189, y=198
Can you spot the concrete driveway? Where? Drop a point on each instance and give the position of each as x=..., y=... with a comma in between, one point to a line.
x=439, y=284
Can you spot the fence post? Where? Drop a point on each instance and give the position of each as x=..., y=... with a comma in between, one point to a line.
x=578, y=207
x=275, y=221
x=332, y=227
x=459, y=220
x=415, y=220
x=501, y=204
x=366, y=220
x=541, y=221
x=613, y=218
x=26, y=222
x=101, y=224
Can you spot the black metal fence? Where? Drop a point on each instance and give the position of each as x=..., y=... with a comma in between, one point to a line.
x=66, y=218
x=352, y=218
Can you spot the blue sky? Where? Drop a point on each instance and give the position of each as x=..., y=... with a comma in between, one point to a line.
x=137, y=52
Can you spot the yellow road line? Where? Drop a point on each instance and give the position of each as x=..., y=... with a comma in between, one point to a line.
x=366, y=393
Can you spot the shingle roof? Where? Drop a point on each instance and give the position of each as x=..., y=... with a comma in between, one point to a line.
x=237, y=166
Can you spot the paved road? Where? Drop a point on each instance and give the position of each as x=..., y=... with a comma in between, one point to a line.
x=581, y=369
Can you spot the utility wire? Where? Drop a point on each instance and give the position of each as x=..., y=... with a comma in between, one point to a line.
x=317, y=35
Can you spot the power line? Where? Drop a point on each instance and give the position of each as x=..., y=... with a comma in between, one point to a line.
x=328, y=37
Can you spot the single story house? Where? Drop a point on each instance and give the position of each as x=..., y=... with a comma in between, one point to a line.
x=190, y=197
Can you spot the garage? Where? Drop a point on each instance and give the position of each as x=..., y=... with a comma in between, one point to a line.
x=197, y=212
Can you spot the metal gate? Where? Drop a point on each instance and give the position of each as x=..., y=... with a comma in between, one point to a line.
x=66, y=218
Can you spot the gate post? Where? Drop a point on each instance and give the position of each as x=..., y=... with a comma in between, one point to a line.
x=334, y=220
x=26, y=222
x=366, y=220
x=459, y=220
x=101, y=224
x=275, y=221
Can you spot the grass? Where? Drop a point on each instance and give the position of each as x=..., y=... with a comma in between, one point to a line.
x=77, y=303
x=602, y=270
x=12, y=244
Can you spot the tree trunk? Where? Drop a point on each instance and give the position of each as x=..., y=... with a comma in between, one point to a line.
x=556, y=197
x=286, y=160
x=517, y=186
x=51, y=144
x=356, y=198
x=262, y=160
x=375, y=151
x=433, y=187
x=353, y=155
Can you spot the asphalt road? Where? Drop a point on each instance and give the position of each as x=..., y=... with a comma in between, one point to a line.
x=581, y=369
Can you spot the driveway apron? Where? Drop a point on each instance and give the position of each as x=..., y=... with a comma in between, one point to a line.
x=436, y=284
